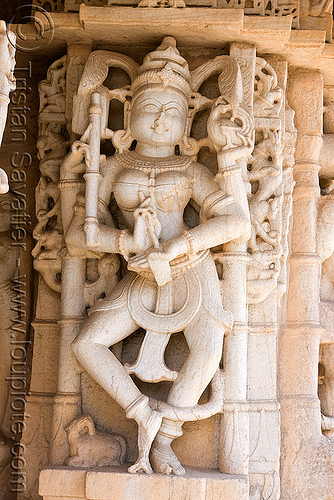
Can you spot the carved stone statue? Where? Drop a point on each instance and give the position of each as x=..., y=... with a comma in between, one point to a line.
x=171, y=284
x=7, y=83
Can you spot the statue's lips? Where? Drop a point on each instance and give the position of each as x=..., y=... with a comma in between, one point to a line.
x=159, y=130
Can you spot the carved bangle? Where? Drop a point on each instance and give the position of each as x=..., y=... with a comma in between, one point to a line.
x=120, y=242
x=79, y=209
x=69, y=183
x=229, y=171
x=136, y=406
x=191, y=242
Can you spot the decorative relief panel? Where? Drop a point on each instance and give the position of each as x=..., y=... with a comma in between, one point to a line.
x=270, y=176
x=52, y=147
x=171, y=284
x=277, y=8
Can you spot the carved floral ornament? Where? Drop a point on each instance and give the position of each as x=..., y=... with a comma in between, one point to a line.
x=171, y=283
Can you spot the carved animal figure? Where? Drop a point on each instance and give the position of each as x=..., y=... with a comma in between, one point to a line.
x=89, y=447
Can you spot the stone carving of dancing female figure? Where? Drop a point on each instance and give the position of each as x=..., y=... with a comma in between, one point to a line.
x=171, y=284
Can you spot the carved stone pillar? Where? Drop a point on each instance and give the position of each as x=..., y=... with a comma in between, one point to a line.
x=67, y=404
x=234, y=451
x=302, y=330
x=264, y=414
x=300, y=336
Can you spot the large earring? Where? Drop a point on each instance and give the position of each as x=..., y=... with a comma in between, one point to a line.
x=188, y=145
x=122, y=139
x=196, y=102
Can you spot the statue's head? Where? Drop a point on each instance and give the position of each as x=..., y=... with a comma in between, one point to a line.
x=160, y=96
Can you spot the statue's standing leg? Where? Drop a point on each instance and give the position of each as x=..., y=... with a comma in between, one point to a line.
x=204, y=336
x=91, y=347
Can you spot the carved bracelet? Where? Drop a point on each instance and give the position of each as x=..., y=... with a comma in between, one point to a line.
x=120, y=243
x=191, y=242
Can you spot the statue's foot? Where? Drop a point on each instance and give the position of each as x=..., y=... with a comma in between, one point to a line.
x=148, y=426
x=164, y=460
x=142, y=465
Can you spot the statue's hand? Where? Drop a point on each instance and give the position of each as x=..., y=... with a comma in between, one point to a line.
x=146, y=231
x=218, y=124
x=74, y=162
x=92, y=231
x=170, y=250
x=158, y=259
x=138, y=262
x=230, y=132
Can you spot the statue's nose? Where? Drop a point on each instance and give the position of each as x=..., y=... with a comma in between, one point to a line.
x=161, y=118
x=160, y=121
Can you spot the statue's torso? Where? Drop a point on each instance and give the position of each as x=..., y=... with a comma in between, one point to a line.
x=165, y=182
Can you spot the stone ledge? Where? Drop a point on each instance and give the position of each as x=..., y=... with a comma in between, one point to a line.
x=115, y=483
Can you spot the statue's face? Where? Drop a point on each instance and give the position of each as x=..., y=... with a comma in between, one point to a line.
x=158, y=118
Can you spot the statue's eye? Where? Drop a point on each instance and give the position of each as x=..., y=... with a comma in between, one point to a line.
x=151, y=108
x=172, y=111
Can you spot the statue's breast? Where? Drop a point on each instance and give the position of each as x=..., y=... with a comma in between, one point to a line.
x=170, y=191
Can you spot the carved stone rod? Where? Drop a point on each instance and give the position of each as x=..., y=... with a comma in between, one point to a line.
x=299, y=339
x=92, y=174
x=234, y=452
x=68, y=399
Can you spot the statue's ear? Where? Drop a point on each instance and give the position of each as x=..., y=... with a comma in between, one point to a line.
x=122, y=139
x=196, y=102
x=188, y=145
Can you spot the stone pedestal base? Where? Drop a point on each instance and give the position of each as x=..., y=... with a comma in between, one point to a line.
x=115, y=483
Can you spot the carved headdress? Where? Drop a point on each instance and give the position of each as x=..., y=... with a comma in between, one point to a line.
x=164, y=66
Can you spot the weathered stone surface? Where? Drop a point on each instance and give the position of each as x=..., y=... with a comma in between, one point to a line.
x=118, y=484
x=184, y=245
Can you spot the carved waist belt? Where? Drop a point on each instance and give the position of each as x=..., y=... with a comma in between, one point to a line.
x=179, y=265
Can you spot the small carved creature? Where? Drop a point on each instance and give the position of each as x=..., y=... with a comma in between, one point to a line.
x=89, y=447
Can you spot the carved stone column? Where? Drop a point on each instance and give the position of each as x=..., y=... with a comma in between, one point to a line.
x=67, y=404
x=302, y=440
x=234, y=453
x=264, y=414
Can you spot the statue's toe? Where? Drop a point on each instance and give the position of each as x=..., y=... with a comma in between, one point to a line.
x=142, y=465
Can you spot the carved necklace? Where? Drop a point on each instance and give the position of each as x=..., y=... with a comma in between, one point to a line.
x=133, y=160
